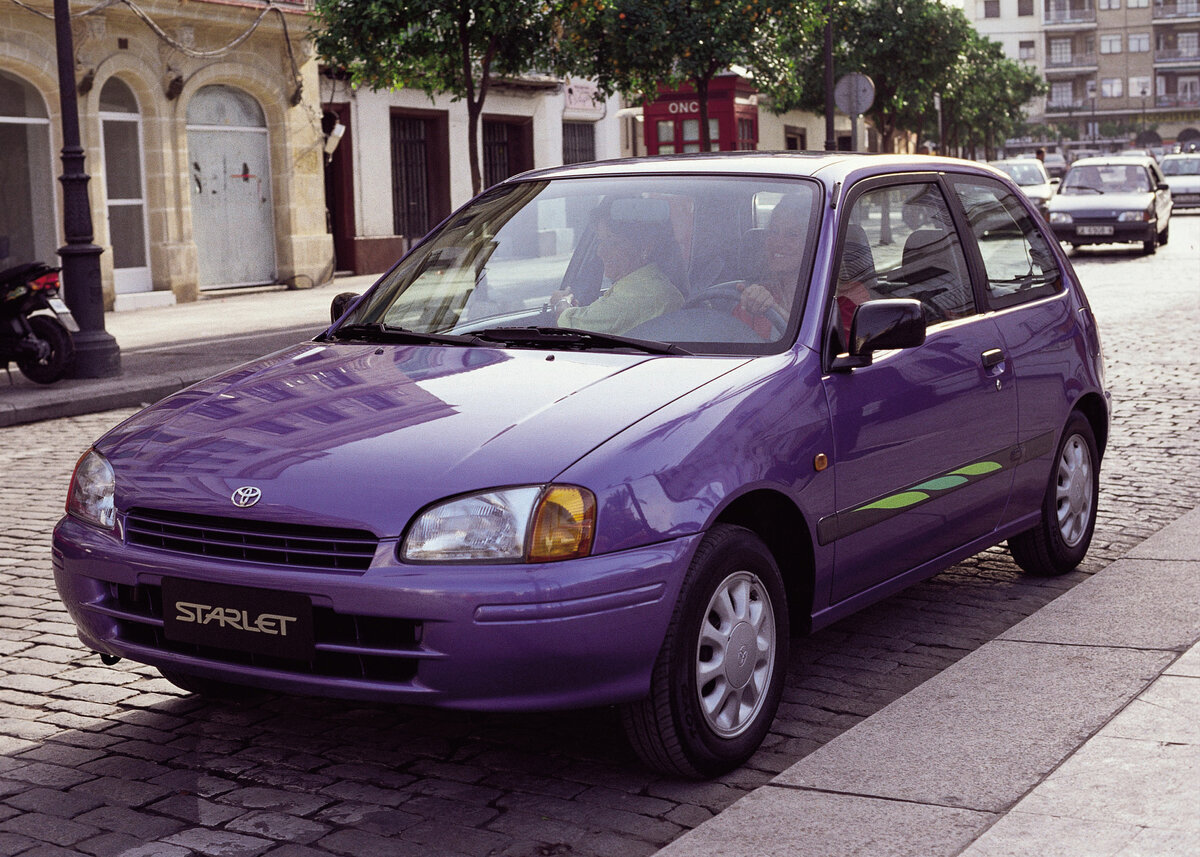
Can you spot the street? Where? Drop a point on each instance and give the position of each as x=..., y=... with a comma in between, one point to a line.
x=114, y=760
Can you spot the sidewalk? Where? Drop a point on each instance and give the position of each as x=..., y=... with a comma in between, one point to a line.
x=1075, y=734
x=165, y=349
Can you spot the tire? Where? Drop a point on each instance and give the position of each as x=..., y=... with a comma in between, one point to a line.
x=1151, y=245
x=1061, y=538
x=62, y=351
x=1165, y=237
x=208, y=687
x=709, y=706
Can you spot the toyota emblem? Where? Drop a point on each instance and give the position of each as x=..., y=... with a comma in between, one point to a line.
x=246, y=496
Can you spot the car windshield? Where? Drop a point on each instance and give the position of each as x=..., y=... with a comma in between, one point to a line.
x=607, y=263
x=1024, y=173
x=1181, y=166
x=1106, y=178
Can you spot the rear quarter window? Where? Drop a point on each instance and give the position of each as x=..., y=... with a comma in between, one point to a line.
x=1017, y=258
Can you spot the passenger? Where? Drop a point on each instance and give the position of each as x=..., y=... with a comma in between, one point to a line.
x=856, y=277
x=634, y=253
x=784, y=244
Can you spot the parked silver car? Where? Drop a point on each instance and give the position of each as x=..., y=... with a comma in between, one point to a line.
x=1113, y=199
x=1183, y=175
x=1030, y=174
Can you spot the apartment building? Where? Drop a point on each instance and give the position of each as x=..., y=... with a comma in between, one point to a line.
x=1118, y=71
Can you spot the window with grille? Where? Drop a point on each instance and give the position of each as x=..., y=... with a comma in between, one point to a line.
x=579, y=142
x=410, y=176
x=991, y=8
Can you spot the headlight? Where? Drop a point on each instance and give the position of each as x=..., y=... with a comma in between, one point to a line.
x=1061, y=217
x=529, y=524
x=90, y=497
x=1136, y=216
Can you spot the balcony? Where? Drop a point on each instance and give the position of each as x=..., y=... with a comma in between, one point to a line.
x=1075, y=61
x=1176, y=9
x=1174, y=56
x=1178, y=101
x=1070, y=105
x=1073, y=16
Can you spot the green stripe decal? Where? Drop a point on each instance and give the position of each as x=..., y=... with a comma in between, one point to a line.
x=945, y=483
x=897, y=501
x=980, y=468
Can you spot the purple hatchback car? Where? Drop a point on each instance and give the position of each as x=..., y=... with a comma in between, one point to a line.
x=611, y=434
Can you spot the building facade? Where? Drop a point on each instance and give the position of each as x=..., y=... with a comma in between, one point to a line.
x=202, y=137
x=402, y=163
x=1119, y=71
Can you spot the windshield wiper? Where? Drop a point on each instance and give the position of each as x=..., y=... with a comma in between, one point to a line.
x=1083, y=187
x=380, y=332
x=569, y=337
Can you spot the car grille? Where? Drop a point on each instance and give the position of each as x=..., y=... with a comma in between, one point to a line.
x=288, y=545
x=371, y=648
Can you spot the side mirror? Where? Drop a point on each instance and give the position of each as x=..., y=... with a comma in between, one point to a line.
x=340, y=304
x=1056, y=181
x=1163, y=186
x=881, y=325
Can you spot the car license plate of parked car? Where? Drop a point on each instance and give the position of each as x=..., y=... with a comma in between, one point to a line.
x=1094, y=230
x=258, y=621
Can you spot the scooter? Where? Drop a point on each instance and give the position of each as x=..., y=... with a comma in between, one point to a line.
x=35, y=324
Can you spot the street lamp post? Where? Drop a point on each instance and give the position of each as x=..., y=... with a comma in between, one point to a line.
x=830, y=139
x=96, y=352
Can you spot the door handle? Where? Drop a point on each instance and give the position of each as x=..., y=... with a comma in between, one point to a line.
x=992, y=358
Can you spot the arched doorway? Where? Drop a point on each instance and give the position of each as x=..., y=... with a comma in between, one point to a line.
x=27, y=212
x=121, y=150
x=232, y=216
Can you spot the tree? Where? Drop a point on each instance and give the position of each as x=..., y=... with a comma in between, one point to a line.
x=907, y=47
x=635, y=45
x=456, y=47
x=986, y=94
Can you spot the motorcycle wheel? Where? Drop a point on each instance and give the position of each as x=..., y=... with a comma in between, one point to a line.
x=62, y=351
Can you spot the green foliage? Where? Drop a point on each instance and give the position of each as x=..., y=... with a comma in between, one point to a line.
x=633, y=46
x=986, y=94
x=455, y=47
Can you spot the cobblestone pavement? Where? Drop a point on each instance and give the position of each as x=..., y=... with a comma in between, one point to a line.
x=116, y=761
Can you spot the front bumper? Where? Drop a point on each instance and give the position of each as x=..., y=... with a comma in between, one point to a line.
x=497, y=637
x=1121, y=233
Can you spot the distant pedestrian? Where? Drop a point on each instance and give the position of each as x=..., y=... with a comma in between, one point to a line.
x=1040, y=154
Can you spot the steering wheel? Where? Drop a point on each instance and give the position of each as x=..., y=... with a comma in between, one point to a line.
x=730, y=294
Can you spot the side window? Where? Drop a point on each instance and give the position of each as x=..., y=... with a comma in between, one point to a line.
x=900, y=242
x=1016, y=256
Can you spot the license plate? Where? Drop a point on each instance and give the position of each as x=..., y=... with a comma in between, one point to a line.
x=1094, y=230
x=64, y=314
x=258, y=621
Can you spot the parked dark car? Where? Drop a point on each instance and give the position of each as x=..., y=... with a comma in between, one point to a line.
x=612, y=434
x=1031, y=176
x=1056, y=165
x=1182, y=173
x=1113, y=199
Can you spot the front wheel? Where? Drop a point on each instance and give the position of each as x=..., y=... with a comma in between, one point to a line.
x=719, y=675
x=1061, y=538
x=1151, y=244
x=60, y=358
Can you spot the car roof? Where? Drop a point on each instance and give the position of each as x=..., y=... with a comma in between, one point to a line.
x=1101, y=160
x=829, y=167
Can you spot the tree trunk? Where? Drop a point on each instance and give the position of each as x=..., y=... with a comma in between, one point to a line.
x=702, y=95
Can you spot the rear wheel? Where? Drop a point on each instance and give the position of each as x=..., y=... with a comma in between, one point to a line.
x=1061, y=538
x=60, y=357
x=719, y=676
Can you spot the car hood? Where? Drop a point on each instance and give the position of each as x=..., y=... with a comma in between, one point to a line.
x=1038, y=191
x=1101, y=204
x=364, y=436
x=1184, y=184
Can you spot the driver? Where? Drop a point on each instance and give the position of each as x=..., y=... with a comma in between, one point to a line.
x=784, y=245
x=632, y=252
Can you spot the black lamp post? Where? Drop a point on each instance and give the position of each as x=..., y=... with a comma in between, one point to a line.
x=96, y=352
x=830, y=138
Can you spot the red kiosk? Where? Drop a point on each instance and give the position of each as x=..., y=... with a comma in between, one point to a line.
x=672, y=123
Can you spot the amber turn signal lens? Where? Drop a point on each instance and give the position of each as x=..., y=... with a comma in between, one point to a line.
x=563, y=525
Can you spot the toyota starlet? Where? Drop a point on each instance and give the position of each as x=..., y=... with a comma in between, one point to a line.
x=612, y=434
